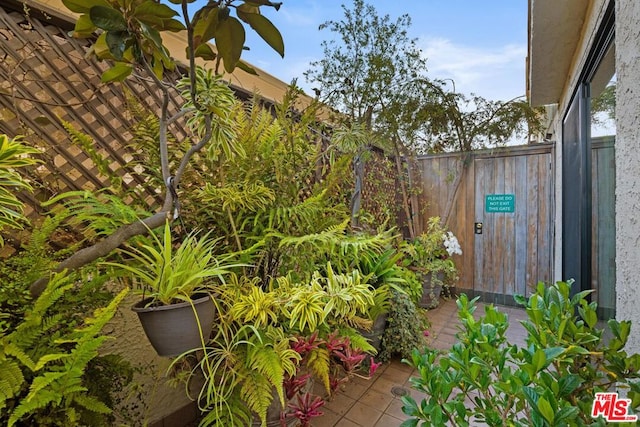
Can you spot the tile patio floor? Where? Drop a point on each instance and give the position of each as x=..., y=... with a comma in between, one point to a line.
x=371, y=403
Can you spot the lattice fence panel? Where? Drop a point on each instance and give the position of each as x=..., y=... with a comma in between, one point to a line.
x=45, y=78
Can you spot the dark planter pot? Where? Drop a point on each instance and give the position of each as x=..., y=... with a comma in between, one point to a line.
x=375, y=334
x=431, y=290
x=173, y=329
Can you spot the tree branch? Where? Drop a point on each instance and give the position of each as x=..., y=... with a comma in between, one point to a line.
x=103, y=247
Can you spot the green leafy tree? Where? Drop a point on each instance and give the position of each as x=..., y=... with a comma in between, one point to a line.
x=369, y=65
x=603, y=107
x=129, y=36
x=373, y=72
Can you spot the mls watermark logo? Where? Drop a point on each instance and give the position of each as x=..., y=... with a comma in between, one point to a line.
x=612, y=408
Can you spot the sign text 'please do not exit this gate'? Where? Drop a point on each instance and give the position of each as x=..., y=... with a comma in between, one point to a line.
x=500, y=203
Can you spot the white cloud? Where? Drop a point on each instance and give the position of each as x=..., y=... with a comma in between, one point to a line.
x=299, y=18
x=494, y=73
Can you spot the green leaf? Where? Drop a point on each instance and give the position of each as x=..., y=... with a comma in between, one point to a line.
x=267, y=31
x=83, y=6
x=246, y=68
x=567, y=384
x=84, y=27
x=152, y=34
x=553, y=352
x=117, y=73
x=205, y=24
x=530, y=395
x=205, y=52
x=107, y=18
x=566, y=413
x=172, y=25
x=546, y=410
x=275, y=5
x=116, y=42
x=153, y=11
x=520, y=300
x=230, y=38
x=539, y=360
x=589, y=315
x=101, y=47
x=411, y=422
x=247, y=8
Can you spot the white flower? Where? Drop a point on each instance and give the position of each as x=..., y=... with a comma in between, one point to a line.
x=451, y=244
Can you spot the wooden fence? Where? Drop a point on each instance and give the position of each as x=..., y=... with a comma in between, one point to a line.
x=508, y=192
x=515, y=249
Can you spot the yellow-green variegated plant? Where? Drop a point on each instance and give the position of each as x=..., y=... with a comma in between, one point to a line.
x=256, y=353
x=14, y=155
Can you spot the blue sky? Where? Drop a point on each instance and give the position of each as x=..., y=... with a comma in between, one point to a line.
x=480, y=44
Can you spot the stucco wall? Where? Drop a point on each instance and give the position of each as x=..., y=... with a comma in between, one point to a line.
x=153, y=397
x=628, y=166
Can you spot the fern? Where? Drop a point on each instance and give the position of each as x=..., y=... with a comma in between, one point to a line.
x=318, y=363
x=257, y=393
x=54, y=384
x=11, y=381
x=357, y=340
x=99, y=213
x=88, y=145
x=306, y=212
x=239, y=196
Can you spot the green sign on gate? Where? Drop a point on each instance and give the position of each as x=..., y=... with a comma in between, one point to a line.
x=500, y=203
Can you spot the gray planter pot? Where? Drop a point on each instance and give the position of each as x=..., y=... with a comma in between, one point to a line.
x=431, y=290
x=375, y=334
x=173, y=329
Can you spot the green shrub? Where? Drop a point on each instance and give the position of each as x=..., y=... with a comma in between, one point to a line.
x=405, y=329
x=550, y=382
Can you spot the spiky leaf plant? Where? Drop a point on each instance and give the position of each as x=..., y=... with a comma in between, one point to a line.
x=14, y=155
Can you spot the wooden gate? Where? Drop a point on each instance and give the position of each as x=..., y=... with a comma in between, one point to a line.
x=509, y=191
x=512, y=206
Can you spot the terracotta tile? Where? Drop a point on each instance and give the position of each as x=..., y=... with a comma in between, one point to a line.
x=396, y=374
x=395, y=409
x=384, y=385
x=382, y=367
x=340, y=404
x=318, y=389
x=398, y=365
x=376, y=400
x=328, y=419
x=353, y=390
x=362, y=380
x=363, y=415
x=348, y=423
x=388, y=421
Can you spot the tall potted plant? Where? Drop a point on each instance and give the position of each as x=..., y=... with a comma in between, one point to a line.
x=429, y=256
x=176, y=284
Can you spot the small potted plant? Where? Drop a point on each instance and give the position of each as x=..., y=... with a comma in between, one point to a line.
x=429, y=256
x=177, y=310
